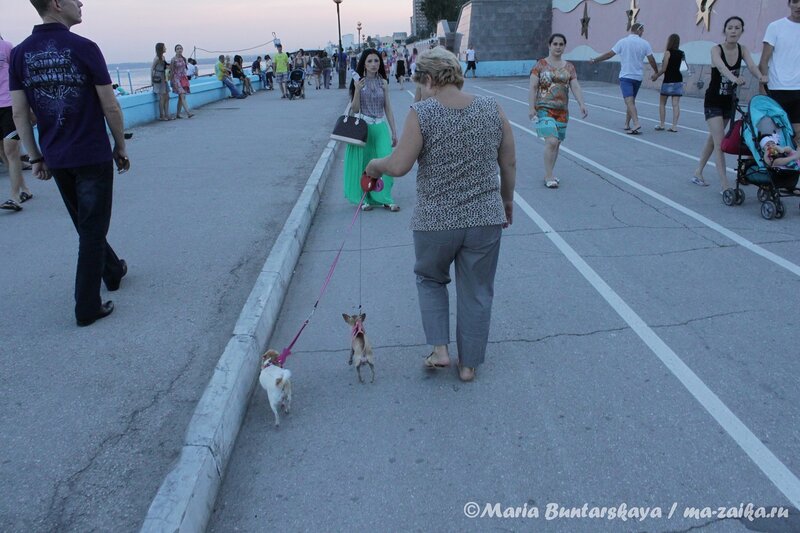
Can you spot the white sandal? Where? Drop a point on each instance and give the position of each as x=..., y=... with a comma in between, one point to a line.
x=552, y=184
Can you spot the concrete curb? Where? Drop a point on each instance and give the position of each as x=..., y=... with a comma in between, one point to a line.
x=185, y=500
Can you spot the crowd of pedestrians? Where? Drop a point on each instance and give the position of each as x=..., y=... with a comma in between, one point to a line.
x=458, y=199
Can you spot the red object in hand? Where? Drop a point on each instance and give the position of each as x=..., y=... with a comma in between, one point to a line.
x=369, y=184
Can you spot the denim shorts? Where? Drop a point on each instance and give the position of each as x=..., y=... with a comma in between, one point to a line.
x=672, y=89
x=711, y=112
x=629, y=87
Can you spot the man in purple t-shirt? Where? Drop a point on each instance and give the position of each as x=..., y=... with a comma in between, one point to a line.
x=63, y=77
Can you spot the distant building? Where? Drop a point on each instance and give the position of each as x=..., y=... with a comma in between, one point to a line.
x=348, y=41
x=419, y=24
x=399, y=37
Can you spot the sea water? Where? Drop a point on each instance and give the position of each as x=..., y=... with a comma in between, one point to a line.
x=135, y=77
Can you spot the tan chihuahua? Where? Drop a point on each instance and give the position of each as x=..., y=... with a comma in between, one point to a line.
x=360, y=348
x=277, y=381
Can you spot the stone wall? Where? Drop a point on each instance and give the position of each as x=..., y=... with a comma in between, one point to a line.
x=505, y=30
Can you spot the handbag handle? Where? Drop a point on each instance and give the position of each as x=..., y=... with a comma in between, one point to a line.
x=348, y=112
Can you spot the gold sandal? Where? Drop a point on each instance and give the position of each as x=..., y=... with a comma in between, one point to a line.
x=430, y=365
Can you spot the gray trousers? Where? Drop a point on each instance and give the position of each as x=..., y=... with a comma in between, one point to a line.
x=475, y=252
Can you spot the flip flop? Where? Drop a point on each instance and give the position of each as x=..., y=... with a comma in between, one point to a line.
x=635, y=131
x=626, y=128
x=430, y=365
x=672, y=130
x=659, y=128
x=11, y=205
x=24, y=197
x=394, y=208
x=552, y=184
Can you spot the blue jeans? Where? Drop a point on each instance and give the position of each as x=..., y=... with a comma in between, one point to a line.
x=87, y=192
x=235, y=92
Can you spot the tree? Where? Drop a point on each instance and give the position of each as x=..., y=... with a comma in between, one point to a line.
x=436, y=10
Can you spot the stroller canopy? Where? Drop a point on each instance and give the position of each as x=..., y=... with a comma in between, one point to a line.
x=765, y=115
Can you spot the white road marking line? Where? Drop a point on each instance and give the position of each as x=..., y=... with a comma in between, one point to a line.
x=618, y=112
x=735, y=237
x=635, y=138
x=767, y=462
x=618, y=98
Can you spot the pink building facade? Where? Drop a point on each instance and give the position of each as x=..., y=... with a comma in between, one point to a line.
x=593, y=26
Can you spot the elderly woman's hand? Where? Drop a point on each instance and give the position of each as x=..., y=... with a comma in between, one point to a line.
x=372, y=169
x=509, y=209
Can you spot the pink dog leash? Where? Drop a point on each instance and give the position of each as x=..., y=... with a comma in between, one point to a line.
x=367, y=186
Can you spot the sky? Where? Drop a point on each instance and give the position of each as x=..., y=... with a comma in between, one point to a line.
x=127, y=30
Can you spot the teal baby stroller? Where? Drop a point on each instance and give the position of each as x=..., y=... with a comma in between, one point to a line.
x=763, y=116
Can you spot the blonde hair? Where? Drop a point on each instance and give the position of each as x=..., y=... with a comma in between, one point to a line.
x=439, y=66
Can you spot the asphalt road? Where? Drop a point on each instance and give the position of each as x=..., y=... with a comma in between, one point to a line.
x=643, y=353
x=92, y=418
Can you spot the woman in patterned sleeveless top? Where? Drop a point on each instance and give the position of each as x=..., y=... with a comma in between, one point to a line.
x=369, y=97
x=459, y=140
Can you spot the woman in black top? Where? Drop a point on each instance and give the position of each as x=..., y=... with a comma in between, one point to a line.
x=237, y=72
x=726, y=61
x=673, y=82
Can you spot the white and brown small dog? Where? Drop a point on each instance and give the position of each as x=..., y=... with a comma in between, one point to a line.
x=277, y=381
x=360, y=348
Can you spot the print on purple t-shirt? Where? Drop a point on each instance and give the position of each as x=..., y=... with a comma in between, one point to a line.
x=58, y=70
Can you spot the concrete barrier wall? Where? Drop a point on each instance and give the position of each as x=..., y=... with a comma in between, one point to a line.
x=141, y=108
x=492, y=69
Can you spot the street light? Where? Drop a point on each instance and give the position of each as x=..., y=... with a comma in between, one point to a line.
x=341, y=61
x=358, y=27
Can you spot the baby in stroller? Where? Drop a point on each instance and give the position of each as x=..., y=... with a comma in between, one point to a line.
x=767, y=158
x=776, y=156
x=295, y=85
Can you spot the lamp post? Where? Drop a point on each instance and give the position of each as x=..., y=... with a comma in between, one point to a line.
x=341, y=63
x=358, y=27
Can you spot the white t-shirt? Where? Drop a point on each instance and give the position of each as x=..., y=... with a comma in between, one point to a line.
x=784, y=67
x=470, y=55
x=631, y=51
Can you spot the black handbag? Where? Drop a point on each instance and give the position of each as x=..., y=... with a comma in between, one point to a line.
x=350, y=130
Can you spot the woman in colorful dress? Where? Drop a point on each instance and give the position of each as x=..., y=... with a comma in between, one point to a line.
x=551, y=80
x=179, y=81
x=369, y=97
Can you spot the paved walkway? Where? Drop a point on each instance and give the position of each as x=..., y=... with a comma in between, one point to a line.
x=93, y=418
x=642, y=345
x=642, y=353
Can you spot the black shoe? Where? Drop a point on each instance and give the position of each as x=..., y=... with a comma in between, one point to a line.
x=105, y=310
x=114, y=286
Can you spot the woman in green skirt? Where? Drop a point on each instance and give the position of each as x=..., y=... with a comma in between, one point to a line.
x=369, y=97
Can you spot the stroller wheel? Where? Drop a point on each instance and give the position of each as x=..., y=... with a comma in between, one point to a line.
x=739, y=197
x=768, y=210
x=763, y=195
x=728, y=197
x=779, y=210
